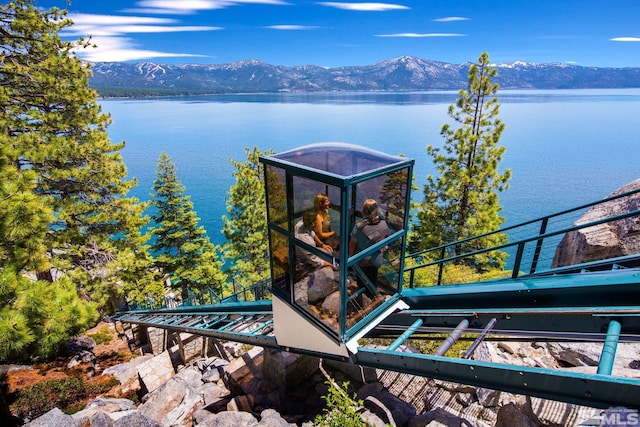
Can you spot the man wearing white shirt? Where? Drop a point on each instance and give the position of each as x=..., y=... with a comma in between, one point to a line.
x=304, y=232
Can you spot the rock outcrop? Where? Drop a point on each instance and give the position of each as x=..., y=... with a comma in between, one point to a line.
x=603, y=241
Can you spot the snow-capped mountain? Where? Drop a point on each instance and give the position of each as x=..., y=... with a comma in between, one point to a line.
x=405, y=73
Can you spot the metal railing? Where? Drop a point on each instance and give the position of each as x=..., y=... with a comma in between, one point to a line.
x=256, y=292
x=532, y=246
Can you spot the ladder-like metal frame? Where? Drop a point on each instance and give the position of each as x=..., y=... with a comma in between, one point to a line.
x=601, y=307
x=228, y=322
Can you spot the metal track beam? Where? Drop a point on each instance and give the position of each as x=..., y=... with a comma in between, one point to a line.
x=593, y=390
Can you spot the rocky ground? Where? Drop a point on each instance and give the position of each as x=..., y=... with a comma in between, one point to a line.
x=115, y=351
x=256, y=387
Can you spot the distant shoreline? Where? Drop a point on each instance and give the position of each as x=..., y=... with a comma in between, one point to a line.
x=503, y=94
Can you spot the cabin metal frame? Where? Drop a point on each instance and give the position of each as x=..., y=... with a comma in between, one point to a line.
x=348, y=175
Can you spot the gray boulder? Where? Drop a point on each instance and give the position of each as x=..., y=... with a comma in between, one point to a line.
x=80, y=343
x=100, y=419
x=323, y=283
x=128, y=371
x=155, y=372
x=212, y=393
x=191, y=375
x=603, y=241
x=83, y=358
x=55, y=417
x=331, y=304
x=271, y=418
x=136, y=420
x=439, y=417
x=230, y=419
x=385, y=405
x=510, y=415
x=172, y=403
x=105, y=405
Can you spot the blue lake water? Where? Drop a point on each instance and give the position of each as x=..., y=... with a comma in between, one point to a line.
x=564, y=147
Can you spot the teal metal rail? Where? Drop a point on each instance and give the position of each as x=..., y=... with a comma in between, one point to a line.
x=257, y=292
x=530, y=248
x=244, y=322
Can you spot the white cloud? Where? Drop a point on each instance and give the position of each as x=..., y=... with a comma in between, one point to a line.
x=185, y=5
x=451, y=19
x=625, y=39
x=364, y=7
x=107, y=31
x=192, y=6
x=87, y=24
x=90, y=19
x=118, y=49
x=111, y=25
x=291, y=27
x=124, y=29
x=419, y=35
x=272, y=2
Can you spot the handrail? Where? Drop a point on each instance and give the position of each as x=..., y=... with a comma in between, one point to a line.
x=258, y=291
x=441, y=256
x=522, y=224
x=530, y=239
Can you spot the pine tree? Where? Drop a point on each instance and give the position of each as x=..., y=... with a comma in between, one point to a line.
x=245, y=227
x=65, y=215
x=463, y=200
x=181, y=247
x=36, y=317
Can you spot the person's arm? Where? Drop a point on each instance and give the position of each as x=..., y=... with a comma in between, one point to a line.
x=352, y=246
x=317, y=261
x=319, y=236
x=316, y=235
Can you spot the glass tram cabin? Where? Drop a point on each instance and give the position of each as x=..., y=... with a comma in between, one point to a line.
x=324, y=300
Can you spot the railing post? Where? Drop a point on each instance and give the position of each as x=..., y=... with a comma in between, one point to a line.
x=441, y=266
x=518, y=260
x=536, y=254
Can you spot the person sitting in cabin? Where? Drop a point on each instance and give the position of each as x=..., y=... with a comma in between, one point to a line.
x=304, y=232
x=315, y=277
x=324, y=236
x=367, y=232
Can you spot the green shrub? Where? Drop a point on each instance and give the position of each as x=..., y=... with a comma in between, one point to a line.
x=341, y=410
x=64, y=394
x=101, y=337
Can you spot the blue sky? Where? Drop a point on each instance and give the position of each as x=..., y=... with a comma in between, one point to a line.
x=602, y=33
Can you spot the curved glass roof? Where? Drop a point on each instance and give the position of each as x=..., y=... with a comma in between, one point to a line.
x=339, y=158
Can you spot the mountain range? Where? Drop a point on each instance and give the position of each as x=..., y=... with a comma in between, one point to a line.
x=405, y=73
